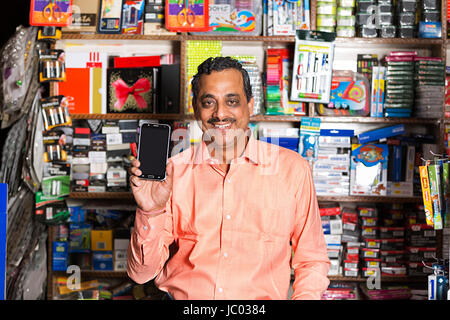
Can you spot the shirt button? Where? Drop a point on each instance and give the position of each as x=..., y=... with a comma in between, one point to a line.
x=220, y=290
x=229, y=180
x=225, y=254
x=152, y=227
x=145, y=227
x=228, y=217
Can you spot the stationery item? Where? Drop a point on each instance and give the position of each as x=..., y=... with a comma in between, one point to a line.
x=133, y=17
x=197, y=52
x=434, y=176
x=349, y=95
x=85, y=85
x=187, y=15
x=110, y=16
x=239, y=17
x=312, y=67
x=368, y=173
x=309, y=138
x=84, y=17
x=55, y=13
x=426, y=194
x=278, y=82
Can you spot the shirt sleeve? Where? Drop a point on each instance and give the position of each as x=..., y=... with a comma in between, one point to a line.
x=310, y=259
x=148, y=250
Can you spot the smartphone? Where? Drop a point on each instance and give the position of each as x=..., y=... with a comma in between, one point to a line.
x=153, y=150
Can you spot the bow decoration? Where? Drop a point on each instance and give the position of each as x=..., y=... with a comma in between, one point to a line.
x=123, y=91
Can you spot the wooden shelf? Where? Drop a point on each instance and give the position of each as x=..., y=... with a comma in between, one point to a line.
x=101, y=195
x=129, y=195
x=212, y=37
x=98, y=274
x=124, y=116
x=392, y=41
x=260, y=118
x=371, y=199
x=239, y=38
x=383, y=279
x=96, y=36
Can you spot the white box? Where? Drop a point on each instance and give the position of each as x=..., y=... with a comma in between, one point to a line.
x=120, y=265
x=121, y=244
x=120, y=255
x=334, y=267
x=333, y=239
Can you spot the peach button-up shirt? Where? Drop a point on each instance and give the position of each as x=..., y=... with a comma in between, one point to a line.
x=234, y=235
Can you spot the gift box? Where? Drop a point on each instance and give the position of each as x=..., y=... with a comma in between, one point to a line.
x=131, y=90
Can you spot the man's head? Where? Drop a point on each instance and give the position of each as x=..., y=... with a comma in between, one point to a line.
x=222, y=99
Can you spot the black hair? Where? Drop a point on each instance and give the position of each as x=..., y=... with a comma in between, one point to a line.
x=220, y=64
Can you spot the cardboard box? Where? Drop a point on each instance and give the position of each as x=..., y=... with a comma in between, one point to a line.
x=102, y=261
x=101, y=240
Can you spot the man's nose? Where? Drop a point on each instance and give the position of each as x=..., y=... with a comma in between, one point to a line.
x=221, y=111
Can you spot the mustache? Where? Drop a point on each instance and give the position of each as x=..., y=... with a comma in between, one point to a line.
x=215, y=119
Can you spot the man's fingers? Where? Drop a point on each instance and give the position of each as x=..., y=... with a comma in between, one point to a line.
x=136, y=181
x=135, y=163
x=135, y=171
x=169, y=174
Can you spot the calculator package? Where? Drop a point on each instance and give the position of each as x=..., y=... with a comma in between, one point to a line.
x=313, y=66
x=234, y=17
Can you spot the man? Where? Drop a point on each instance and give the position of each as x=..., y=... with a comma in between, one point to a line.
x=233, y=207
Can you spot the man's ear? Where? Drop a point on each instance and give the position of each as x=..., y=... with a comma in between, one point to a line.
x=250, y=106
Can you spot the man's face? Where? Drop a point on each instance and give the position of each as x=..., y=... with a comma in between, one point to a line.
x=222, y=107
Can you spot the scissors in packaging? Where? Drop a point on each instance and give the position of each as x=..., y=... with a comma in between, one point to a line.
x=186, y=15
x=52, y=11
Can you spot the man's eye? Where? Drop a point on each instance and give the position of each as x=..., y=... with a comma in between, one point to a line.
x=233, y=101
x=207, y=103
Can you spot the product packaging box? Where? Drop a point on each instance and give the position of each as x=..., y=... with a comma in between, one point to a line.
x=101, y=240
x=102, y=260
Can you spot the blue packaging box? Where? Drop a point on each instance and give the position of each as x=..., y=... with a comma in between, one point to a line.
x=381, y=133
x=337, y=132
x=60, y=255
x=430, y=29
x=285, y=142
x=103, y=261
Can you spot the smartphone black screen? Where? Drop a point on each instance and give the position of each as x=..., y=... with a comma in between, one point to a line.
x=153, y=150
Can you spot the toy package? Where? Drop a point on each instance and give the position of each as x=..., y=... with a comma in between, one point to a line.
x=368, y=169
x=349, y=96
x=187, y=15
x=235, y=17
x=55, y=13
x=313, y=66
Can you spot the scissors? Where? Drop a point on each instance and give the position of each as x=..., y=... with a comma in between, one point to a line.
x=186, y=15
x=52, y=10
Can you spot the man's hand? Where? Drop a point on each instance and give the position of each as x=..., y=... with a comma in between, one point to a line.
x=150, y=195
